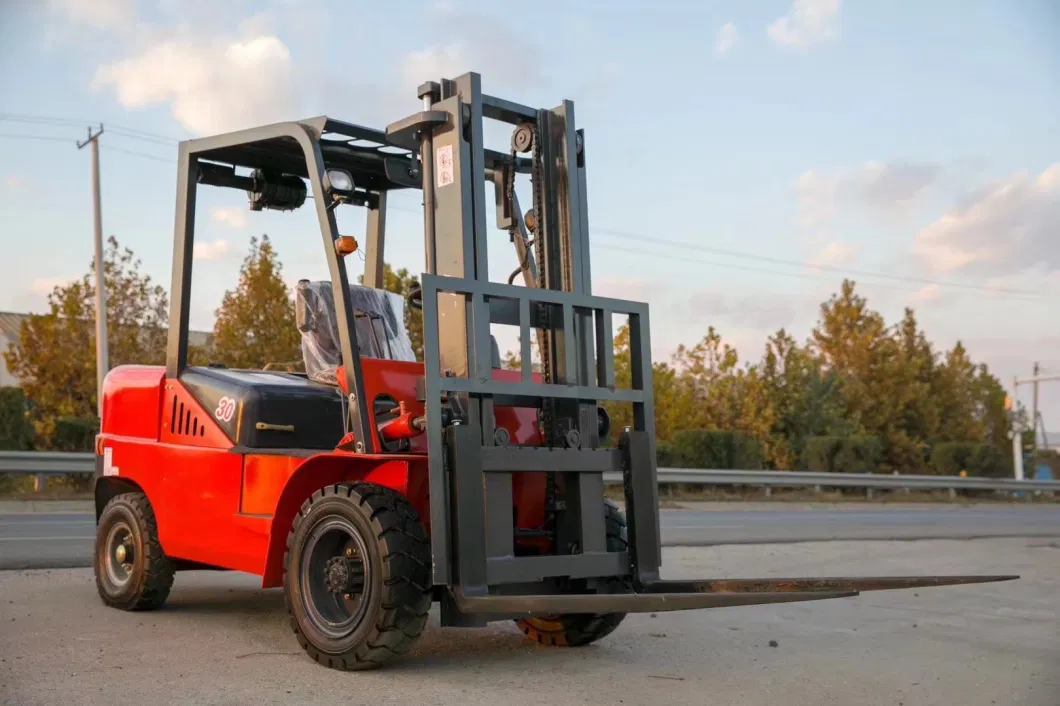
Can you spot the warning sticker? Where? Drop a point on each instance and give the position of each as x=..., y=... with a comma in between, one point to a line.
x=443, y=165
x=109, y=469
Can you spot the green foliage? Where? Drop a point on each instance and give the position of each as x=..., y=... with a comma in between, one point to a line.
x=255, y=324
x=857, y=396
x=53, y=358
x=16, y=429
x=75, y=434
x=953, y=458
x=697, y=448
x=857, y=454
x=842, y=454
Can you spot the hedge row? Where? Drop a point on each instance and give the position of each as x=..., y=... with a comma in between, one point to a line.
x=696, y=448
x=842, y=454
x=949, y=459
x=17, y=431
x=692, y=448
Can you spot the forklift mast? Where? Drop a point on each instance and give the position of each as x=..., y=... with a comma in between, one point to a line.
x=471, y=461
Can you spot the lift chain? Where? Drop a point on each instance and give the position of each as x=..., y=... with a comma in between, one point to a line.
x=545, y=336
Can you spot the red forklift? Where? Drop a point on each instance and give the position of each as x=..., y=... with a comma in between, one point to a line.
x=373, y=484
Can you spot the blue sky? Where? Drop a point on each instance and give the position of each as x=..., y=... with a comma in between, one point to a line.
x=782, y=145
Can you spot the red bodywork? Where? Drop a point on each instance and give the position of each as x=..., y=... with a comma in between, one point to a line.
x=219, y=507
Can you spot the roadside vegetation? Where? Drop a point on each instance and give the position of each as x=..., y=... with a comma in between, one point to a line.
x=858, y=395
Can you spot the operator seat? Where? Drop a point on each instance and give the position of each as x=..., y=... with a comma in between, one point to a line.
x=379, y=320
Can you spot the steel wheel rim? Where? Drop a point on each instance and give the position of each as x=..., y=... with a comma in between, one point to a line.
x=119, y=553
x=332, y=613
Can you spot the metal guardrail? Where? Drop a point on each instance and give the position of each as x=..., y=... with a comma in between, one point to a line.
x=47, y=463
x=878, y=481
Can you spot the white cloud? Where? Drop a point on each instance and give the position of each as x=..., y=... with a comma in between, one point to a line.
x=1008, y=226
x=236, y=218
x=761, y=311
x=43, y=286
x=889, y=189
x=833, y=254
x=211, y=85
x=97, y=14
x=808, y=22
x=727, y=39
x=640, y=290
x=886, y=186
x=511, y=63
x=927, y=293
x=217, y=250
x=815, y=196
x=502, y=68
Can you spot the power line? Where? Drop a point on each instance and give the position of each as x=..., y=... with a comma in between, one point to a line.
x=134, y=153
x=797, y=275
x=144, y=136
x=625, y=235
x=781, y=261
x=1020, y=295
x=38, y=137
x=68, y=122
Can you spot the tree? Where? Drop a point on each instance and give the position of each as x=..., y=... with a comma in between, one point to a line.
x=855, y=342
x=53, y=358
x=807, y=401
x=255, y=324
x=713, y=392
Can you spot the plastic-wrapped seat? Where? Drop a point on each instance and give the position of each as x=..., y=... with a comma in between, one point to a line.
x=379, y=319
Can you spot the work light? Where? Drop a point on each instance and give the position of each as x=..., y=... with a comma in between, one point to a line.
x=338, y=181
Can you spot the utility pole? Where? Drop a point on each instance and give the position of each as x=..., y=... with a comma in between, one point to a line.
x=101, y=293
x=1017, y=437
x=1034, y=407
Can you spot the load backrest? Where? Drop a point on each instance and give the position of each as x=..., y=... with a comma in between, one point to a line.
x=379, y=319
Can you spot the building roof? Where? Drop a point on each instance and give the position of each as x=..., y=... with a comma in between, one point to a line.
x=11, y=325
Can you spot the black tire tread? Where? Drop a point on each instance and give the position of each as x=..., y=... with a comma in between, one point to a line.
x=157, y=577
x=577, y=630
x=407, y=588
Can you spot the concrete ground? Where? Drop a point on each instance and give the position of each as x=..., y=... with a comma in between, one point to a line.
x=64, y=540
x=220, y=640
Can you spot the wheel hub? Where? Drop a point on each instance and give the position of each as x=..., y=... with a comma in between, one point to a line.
x=344, y=574
x=120, y=553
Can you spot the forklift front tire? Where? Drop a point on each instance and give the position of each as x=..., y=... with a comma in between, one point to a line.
x=357, y=578
x=132, y=572
x=580, y=630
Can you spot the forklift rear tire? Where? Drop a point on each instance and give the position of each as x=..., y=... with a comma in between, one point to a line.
x=357, y=576
x=132, y=572
x=577, y=630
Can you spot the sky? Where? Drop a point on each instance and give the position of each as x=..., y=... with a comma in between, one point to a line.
x=743, y=158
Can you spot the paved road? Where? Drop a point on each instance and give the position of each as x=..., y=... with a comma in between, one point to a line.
x=222, y=641
x=38, y=540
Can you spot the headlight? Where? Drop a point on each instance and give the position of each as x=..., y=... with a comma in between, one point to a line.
x=339, y=180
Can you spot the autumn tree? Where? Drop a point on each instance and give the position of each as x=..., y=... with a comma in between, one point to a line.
x=53, y=358
x=255, y=324
x=715, y=392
